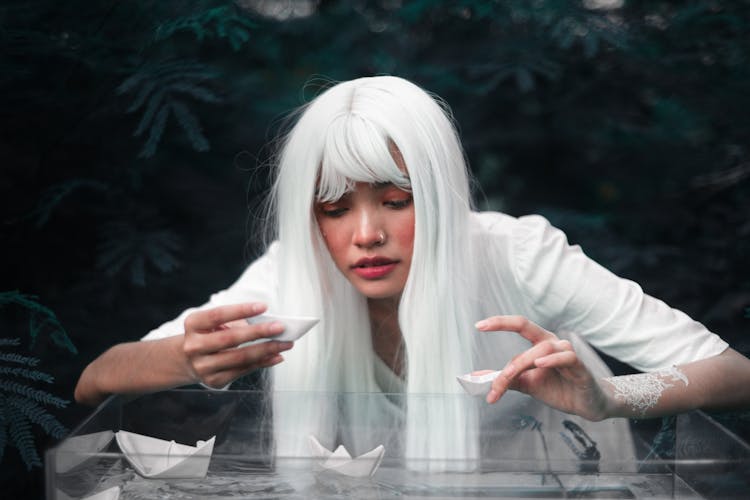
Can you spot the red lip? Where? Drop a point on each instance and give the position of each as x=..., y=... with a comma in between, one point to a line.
x=374, y=267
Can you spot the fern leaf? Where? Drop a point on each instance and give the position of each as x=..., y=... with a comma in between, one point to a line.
x=200, y=93
x=131, y=82
x=61, y=339
x=125, y=245
x=30, y=302
x=155, y=103
x=161, y=256
x=217, y=22
x=17, y=358
x=40, y=416
x=51, y=198
x=138, y=270
x=157, y=129
x=237, y=38
x=21, y=437
x=190, y=125
x=35, y=375
x=140, y=99
x=9, y=342
x=37, y=395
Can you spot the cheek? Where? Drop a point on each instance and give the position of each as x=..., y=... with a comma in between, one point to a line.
x=404, y=233
x=332, y=236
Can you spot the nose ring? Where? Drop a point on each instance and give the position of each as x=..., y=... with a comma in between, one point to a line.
x=381, y=237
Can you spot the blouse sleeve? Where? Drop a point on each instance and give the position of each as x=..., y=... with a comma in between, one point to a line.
x=570, y=292
x=256, y=284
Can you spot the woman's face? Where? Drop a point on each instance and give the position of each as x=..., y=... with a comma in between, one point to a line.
x=369, y=233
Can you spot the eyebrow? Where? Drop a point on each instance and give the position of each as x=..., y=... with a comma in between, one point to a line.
x=385, y=184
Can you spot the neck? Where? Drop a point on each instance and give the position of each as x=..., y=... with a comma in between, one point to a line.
x=386, y=333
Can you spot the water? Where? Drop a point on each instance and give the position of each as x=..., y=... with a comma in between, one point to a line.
x=230, y=479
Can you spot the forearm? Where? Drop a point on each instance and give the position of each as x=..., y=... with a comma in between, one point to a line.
x=135, y=367
x=720, y=382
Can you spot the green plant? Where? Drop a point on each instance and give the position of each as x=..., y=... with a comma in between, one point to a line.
x=22, y=403
x=161, y=89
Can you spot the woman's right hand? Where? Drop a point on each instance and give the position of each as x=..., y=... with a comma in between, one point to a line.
x=212, y=338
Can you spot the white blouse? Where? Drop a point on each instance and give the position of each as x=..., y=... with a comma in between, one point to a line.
x=531, y=270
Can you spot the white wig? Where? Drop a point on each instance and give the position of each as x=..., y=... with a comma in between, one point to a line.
x=345, y=136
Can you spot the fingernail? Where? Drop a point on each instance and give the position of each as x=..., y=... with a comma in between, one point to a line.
x=258, y=308
x=481, y=325
x=285, y=346
x=491, y=396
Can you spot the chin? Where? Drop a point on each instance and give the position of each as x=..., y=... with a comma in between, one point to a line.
x=380, y=292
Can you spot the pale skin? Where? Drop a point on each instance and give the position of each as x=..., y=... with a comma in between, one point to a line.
x=207, y=352
x=375, y=222
x=551, y=372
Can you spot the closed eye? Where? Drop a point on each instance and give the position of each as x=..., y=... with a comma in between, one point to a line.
x=331, y=211
x=398, y=204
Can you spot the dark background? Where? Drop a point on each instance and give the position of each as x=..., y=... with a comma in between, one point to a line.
x=133, y=157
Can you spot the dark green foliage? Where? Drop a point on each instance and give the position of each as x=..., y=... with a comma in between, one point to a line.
x=124, y=246
x=19, y=431
x=217, y=22
x=22, y=403
x=20, y=408
x=160, y=89
x=42, y=320
x=53, y=196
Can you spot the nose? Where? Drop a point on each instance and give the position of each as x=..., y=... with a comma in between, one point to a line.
x=369, y=231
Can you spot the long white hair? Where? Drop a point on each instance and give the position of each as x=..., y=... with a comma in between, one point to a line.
x=345, y=135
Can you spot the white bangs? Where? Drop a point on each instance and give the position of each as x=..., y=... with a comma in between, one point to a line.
x=355, y=150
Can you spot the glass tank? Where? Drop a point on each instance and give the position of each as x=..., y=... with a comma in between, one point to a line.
x=198, y=444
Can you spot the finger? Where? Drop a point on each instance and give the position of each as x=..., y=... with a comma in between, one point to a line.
x=219, y=380
x=243, y=358
x=210, y=320
x=515, y=367
x=482, y=372
x=565, y=359
x=219, y=340
x=527, y=329
x=256, y=331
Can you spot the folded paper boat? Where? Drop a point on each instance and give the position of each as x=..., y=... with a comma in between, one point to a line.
x=112, y=493
x=77, y=449
x=477, y=385
x=341, y=461
x=158, y=458
x=294, y=327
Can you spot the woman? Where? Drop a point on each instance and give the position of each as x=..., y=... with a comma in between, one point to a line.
x=373, y=233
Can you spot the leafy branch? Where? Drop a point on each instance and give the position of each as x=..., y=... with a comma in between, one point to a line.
x=53, y=196
x=42, y=319
x=161, y=89
x=22, y=403
x=124, y=245
x=219, y=22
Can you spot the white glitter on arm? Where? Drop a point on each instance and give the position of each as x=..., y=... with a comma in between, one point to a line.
x=642, y=391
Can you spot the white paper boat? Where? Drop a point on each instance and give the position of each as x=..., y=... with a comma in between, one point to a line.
x=158, y=458
x=112, y=493
x=342, y=462
x=77, y=449
x=294, y=327
x=477, y=385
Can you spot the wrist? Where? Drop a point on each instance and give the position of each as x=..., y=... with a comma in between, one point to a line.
x=613, y=406
x=186, y=374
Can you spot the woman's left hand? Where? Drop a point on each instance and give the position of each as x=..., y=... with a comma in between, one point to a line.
x=549, y=371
